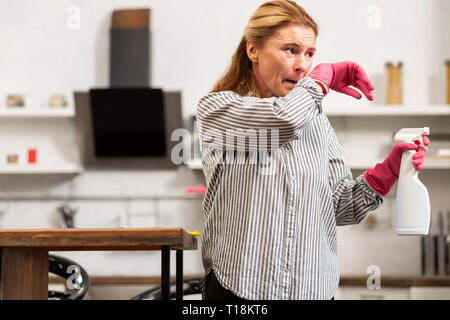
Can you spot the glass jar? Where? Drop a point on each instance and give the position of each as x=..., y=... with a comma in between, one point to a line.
x=394, y=86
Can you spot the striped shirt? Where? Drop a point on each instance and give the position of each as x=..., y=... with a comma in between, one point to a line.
x=270, y=226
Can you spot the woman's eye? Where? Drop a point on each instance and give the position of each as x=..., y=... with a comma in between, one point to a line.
x=290, y=50
x=310, y=54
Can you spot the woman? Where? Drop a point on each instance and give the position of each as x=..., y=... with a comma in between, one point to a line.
x=271, y=234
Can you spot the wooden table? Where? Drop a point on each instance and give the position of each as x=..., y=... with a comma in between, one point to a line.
x=24, y=254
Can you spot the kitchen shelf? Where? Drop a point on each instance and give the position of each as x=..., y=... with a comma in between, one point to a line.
x=91, y=197
x=195, y=164
x=428, y=164
x=24, y=112
x=41, y=169
x=392, y=281
x=388, y=110
x=380, y=111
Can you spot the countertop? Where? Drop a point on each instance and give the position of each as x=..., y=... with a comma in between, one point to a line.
x=355, y=281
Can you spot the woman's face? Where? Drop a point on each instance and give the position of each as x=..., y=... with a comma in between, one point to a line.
x=285, y=58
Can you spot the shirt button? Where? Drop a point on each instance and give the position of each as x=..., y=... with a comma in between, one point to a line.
x=289, y=240
x=292, y=209
x=286, y=270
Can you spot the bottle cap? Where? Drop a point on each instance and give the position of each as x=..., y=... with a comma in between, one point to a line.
x=394, y=63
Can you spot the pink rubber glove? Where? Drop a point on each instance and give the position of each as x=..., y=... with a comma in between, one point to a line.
x=339, y=76
x=383, y=176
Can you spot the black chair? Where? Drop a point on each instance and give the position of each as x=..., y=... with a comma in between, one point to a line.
x=190, y=286
x=77, y=278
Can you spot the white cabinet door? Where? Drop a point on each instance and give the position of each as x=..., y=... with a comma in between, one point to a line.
x=363, y=293
x=427, y=293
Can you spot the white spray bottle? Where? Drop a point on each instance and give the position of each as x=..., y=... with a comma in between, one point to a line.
x=412, y=212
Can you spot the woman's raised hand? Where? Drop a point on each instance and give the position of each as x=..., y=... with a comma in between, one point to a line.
x=339, y=76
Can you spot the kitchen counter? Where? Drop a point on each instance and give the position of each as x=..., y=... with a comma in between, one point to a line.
x=355, y=281
x=350, y=287
x=361, y=281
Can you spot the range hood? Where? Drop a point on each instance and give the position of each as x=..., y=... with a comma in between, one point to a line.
x=128, y=118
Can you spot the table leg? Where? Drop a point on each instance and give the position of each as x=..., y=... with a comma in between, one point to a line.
x=23, y=273
x=179, y=275
x=165, y=272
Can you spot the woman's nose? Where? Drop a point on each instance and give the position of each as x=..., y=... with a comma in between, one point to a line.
x=300, y=64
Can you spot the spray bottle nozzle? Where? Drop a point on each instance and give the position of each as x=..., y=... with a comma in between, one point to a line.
x=411, y=135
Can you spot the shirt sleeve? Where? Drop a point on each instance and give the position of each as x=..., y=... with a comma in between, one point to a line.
x=224, y=117
x=352, y=200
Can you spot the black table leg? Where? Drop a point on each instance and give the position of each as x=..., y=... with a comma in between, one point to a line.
x=179, y=274
x=165, y=272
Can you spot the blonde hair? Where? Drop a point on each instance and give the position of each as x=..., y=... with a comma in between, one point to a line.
x=263, y=23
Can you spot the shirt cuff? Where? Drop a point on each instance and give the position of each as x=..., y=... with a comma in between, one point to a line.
x=325, y=89
x=370, y=195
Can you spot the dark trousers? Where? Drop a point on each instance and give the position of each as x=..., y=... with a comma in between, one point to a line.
x=215, y=291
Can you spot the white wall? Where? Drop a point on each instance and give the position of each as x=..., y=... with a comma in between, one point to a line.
x=192, y=44
x=193, y=41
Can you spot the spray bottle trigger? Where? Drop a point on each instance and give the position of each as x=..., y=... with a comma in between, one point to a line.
x=411, y=135
x=421, y=144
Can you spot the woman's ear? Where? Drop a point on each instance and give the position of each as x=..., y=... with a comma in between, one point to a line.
x=252, y=52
